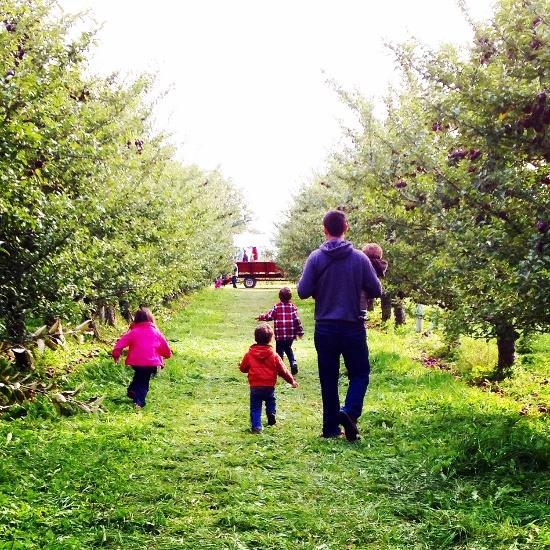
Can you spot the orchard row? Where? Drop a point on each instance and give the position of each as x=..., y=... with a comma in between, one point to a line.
x=94, y=212
x=454, y=183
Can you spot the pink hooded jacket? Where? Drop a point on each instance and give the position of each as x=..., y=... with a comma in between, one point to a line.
x=146, y=345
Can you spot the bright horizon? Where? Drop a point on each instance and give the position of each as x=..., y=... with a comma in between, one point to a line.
x=247, y=80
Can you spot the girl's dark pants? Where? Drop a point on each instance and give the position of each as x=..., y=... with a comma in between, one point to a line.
x=285, y=346
x=139, y=386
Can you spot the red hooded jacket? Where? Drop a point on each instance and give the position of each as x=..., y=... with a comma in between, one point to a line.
x=263, y=365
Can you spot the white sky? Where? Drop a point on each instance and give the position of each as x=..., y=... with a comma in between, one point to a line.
x=247, y=78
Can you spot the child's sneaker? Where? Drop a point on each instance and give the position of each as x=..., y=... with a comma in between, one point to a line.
x=294, y=369
x=256, y=430
x=271, y=420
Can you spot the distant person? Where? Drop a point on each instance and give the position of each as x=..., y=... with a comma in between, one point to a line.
x=287, y=325
x=335, y=275
x=254, y=254
x=263, y=366
x=235, y=275
x=374, y=252
x=147, y=349
x=218, y=282
x=245, y=256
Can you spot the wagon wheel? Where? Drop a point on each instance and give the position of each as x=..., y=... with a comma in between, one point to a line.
x=249, y=282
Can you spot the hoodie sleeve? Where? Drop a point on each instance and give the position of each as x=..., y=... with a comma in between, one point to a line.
x=245, y=364
x=306, y=284
x=163, y=348
x=371, y=284
x=121, y=343
x=282, y=370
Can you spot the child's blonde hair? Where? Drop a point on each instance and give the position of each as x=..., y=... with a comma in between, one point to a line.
x=373, y=250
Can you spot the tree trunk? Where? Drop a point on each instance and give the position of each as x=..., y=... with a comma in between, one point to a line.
x=23, y=359
x=385, y=301
x=101, y=314
x=110, y=315
x=16, y=329
x=370, y=304
x=506, y=344
x=124, y=306
x=399, y=312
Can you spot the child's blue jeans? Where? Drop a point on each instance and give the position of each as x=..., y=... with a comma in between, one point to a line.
x=259, y=394
x=139, y=386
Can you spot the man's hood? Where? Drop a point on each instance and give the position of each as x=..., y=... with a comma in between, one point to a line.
x=260, y=352
x=337, y=249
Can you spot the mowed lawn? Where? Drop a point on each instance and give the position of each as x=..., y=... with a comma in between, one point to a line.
x=439, y=465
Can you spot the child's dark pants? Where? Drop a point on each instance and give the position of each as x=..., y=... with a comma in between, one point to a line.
x=139, y=386
x=285, y=346
x=259, y=394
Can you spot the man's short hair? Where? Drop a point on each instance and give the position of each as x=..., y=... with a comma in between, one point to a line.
x=335, y=222
x=285, y=294
x=263, y=334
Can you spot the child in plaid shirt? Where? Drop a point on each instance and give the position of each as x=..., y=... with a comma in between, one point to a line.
x=287, y=326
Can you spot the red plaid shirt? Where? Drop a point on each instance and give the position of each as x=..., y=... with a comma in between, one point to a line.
x=285, y=319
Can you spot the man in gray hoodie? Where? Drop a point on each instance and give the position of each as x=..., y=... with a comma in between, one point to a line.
x=334, y=275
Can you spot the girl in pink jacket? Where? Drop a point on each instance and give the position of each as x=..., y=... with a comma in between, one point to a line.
x=147, y=348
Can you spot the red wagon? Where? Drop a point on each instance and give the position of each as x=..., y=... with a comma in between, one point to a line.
x=252, y=272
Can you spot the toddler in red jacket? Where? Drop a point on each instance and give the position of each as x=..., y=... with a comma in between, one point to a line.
x=263, y=365
x=147, y=348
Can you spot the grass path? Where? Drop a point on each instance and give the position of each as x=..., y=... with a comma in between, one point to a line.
x=440, y=465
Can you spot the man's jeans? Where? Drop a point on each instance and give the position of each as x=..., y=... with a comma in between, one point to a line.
x=285, y=346
x=258, y=395
x=332, y=339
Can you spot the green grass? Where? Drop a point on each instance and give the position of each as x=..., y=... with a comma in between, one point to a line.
x=440, y=464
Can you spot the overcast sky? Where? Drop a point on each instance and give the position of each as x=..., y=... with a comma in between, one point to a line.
x=247, y=78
